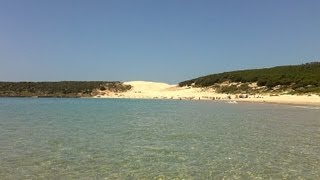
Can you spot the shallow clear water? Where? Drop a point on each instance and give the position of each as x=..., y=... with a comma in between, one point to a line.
x=143, y=139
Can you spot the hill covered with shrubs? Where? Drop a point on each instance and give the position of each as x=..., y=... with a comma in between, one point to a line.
x=59, y=89
x=303, y=78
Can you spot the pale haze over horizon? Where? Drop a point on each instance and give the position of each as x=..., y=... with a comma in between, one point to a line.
x=165, y=41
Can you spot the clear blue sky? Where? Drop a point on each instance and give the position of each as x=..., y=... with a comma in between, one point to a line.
x=157, y=40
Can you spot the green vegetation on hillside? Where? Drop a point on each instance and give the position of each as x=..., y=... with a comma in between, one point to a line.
x=59, y=89
x=299, y=78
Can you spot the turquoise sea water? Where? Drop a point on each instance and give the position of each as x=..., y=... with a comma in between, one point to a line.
x=145, y=139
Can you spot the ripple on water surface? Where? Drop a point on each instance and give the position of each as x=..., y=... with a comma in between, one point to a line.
x=113, y=138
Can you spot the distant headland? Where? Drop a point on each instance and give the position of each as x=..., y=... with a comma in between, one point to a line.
x=72, y=89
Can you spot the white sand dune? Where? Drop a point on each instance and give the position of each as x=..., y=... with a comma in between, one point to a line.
x=159, y=90
x=146, y=86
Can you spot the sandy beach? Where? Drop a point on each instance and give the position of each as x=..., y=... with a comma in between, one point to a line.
x=158, y=90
